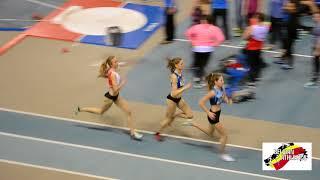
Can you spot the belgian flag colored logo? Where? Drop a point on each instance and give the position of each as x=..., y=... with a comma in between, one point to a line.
x=285, y=153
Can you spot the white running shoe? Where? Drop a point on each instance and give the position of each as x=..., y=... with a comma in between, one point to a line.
x=311, y=85
x=137, y=136
x=227, y=157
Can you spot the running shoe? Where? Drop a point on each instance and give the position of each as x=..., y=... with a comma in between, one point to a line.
x=136, y=136
x=158, y=137
x=311, y=85
x=227, y=157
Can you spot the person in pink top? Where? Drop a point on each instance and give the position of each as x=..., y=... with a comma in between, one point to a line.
x=204, y=37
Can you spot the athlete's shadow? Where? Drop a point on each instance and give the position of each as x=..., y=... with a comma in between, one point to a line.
x=103, y=128
x=238, y=153
x=209, y=147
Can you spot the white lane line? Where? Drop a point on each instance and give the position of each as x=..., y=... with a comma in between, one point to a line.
x=55, y=169
x=135, y=155
x=44, y=4
x=124, y=128
x=239, y=47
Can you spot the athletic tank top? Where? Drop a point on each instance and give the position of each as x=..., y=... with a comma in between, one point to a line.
x=118, y=79
x=180, y=81
x=258, y=36
x=218, y=98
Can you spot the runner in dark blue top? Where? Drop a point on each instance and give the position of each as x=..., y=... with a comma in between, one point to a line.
x=174, y=99
x=180, y=82
x=215, y=96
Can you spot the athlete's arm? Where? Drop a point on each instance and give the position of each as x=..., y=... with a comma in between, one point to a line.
x=202, y=103
x=175, y=91
x=114, y=86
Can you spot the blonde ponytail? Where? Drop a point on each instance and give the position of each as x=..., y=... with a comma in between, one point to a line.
x=105, y=66
x=212, y=78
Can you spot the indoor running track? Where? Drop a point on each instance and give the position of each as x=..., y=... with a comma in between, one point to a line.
x=108, y=152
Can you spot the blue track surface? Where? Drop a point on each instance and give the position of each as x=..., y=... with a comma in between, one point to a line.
x=95, y=156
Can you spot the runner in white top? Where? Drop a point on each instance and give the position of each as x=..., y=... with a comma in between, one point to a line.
x=115, y=84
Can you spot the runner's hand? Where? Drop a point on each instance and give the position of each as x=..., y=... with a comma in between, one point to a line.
x=211, y=115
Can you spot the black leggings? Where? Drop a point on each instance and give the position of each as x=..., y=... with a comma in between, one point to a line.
x=276, y=31
x=288, y=46
x=199, y=63
x=169, y=26
x=255, y=64
x=224, y=14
